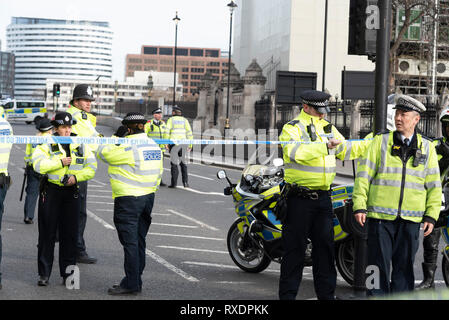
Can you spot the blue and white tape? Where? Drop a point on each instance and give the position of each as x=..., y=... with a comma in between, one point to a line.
x=132, y=141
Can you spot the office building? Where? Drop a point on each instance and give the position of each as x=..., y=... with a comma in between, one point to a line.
x=65, y=49
x=6, y=74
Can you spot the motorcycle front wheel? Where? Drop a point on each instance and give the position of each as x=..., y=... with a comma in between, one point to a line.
x=244, y=252
x=344, y=256
x=445, y=269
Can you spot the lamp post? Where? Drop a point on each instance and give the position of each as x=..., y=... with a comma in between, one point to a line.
x=176, y=19
x=115, y=94
x=231, y=5
x=98, y=93
x=150, y=87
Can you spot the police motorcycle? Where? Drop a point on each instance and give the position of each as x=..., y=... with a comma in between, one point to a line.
x=443, y=224
x=254, y=239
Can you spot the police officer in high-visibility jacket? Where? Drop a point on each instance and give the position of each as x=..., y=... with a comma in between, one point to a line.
x=396, y=189
x=156, y=129
x=45, y=128
x=178, y=128
x=310, y=168
x=431, y=242
x=5, y=179
x=135, y=172
x=63, y=167
x=80, y=109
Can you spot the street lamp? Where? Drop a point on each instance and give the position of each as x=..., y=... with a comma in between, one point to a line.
x=231, y=5
x=98, y=93
x=176, y=19
x=150, y=87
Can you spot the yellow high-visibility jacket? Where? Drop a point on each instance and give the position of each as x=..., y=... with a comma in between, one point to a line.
x=310, y=164
x=47, y=158
x=155, y=131
x=30, y=149
x=133, y=170
x=178, y=128
x=85, y=122
x=5, y=148
x=386, y=187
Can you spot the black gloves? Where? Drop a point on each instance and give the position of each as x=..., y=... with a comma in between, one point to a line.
x=443, y=149
x=121, y=131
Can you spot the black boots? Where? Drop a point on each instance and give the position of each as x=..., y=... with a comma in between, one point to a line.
x=429, y=275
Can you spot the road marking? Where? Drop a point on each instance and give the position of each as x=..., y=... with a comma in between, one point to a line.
x=95, y=186
x=222, y=266
x=193, y=249
x=98, y=196
x=171, y=267
x=149, y=253
x=103, y=191
x=203, y=192
x=173, y=225
x=183, y=236
x=202, y=224
x=99, y=202
x=98, y=219
x=195, y=175
x=99, y=182
x=106, y=210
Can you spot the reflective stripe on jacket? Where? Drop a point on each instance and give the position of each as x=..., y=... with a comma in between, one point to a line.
x=386, y=187
x=133, y=170
x=30, y=149
x=178, y=128
x=313, y=165
x=47, y=158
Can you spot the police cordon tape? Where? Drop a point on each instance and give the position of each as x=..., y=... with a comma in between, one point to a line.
x=134, y=141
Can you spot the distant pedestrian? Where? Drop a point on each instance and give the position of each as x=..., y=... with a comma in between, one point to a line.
x=156, y=129
x=45, y=128
x=178, y=128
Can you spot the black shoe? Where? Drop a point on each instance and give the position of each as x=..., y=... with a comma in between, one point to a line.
x=28, y=221
x=186, y=185
x=43, y=281
x=116, y=290
x=172, y=186
x=163, y=184
x=84, y=258
x=115, y=286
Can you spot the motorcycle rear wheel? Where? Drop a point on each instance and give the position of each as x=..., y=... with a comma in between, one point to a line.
x=445, y=269
x=245, y=254
x=344, y=256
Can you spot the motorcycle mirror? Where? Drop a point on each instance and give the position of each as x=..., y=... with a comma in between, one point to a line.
x=221, y=174
x=278, y=162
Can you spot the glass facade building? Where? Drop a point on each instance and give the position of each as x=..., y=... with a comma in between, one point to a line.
x=51, y=48
x=6, y=74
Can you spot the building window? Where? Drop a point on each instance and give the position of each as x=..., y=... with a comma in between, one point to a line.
x=166, y=51
x=197, y=70
x=197, y=52
x=185, y=69
x=182, y=52
x=212, y=53
x=166, y=62
x=197, y=63
x=149, y=50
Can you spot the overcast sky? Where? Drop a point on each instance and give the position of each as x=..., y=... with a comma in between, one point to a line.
x=204, y=23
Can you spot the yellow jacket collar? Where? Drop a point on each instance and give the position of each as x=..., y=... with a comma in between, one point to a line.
x=307, y=117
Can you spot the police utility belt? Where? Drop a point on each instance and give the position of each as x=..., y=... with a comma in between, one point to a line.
x=303, y=192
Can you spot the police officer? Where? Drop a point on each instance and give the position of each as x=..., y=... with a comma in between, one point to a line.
x=5, y=180
x=178, y=128
x=80, y=109
x=45, y=128
x=63, y=167
x=135, y=172
x=431, y=242
x=156, y=129
x=397, y=188
x=310, y=168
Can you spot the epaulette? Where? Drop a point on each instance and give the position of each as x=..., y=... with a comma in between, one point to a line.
x=293, y=122
x=428, y=138
x=383, y=132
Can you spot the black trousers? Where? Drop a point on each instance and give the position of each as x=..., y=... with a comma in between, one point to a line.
x=178, y=157
x=393, y=242
x=58, y=211
x=132, y=219
x=312, y=219
x=81, y=245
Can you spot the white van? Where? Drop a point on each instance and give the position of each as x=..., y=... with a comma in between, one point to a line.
x=25, y=110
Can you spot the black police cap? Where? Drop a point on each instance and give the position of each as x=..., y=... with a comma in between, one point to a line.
x=316, y=99
x=134, y=117
x=83, y=91
x=63, y=118
x=43, y=125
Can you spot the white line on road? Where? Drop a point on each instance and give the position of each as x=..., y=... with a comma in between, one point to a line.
x=183, y=236
x=222, y=266
x=204, y=192
x=195, y=175
x=202, y=224
x=103, y=191
x=171, y=267
x=99, y=182
x=99, y=202
x=193, y=249
x=98, y=196
x=173, y=225
x=151, y=254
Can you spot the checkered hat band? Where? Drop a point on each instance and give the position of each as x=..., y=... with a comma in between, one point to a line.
x=316, y=103
x=135, y=117
x=407, y=104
